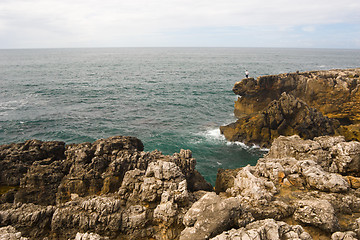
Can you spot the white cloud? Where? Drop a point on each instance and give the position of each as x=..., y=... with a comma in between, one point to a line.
x=68, y=21
x=309, y=28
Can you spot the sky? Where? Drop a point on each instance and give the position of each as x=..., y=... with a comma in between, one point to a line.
x=179, y=23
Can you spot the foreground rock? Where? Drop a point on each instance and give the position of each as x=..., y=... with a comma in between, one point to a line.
x=308, y=182
x=112, y=189
x=317, y=98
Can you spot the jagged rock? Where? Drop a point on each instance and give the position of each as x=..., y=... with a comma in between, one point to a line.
x=40, y=184
x=346, y=158
x=89, y=236
x=212, y=215
x=225, y=179
x=249, y=186
x=111, y=189
x=335, y=92
x=263, y=113
x=333, y=154
x=30, y=219
x=15, y=159
x=285, y=116
x=10, y=233
x=267, y=229
x=324, y=181
x=100, y=167
x=96, y=214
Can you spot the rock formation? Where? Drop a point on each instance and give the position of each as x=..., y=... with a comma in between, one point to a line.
x=112, y=189
x=329, y=99
x=286, y=116
x=312, y=183
x=107, y=189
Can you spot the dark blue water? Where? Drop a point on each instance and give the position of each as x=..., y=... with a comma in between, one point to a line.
x=170, y=98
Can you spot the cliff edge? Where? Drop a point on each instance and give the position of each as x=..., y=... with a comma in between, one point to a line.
x=334, y=94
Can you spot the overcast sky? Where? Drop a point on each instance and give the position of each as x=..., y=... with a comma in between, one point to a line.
x=183, y=23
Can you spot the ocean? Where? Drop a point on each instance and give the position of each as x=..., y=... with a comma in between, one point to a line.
x=170, y=98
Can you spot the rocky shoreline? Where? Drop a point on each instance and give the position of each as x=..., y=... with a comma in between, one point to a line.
x=112, y=189
x=308, y=104
x=306, y=187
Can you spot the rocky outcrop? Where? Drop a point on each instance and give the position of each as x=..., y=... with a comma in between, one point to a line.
x=112, y=189
x=303, y=182
x=322, y=103
x=335, y=93
x=107, y=189
x=286, y=116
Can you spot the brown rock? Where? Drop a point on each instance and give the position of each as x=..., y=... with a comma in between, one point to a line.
x=286, y=116
x=354, y=181
x=334, y=93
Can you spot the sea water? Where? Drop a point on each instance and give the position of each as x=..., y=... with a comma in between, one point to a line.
x=170, y=98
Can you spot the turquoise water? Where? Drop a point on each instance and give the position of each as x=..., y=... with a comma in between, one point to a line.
x=170, y=98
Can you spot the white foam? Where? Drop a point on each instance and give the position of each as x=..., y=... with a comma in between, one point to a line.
x=214, y=134
x=253, y=146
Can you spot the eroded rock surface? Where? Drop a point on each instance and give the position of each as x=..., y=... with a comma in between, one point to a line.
x=112, y=189
x=318, y=103
x=107, y=189
x=302, y=181
x=286, y=116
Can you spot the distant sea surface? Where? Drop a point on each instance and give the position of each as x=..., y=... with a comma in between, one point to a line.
x=170, y=98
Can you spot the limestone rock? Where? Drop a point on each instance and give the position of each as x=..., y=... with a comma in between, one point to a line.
x=40, y=184
x=267, y=229
x=15, y=159
x=95, y=214
x=286, y=116
x=89, y=236
x=225, y=179
x=212, y=215
x=10, y=233
x=323, y=103
x=333, y=154
x=30, y=219
x=249, y=186
x=319, y=213
x=346, y=158
x=344, y=236
x=335, y=92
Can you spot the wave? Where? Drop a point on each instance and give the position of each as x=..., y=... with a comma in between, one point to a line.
x=214, y=134
x=253, y=146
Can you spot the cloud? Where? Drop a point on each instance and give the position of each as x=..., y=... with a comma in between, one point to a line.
x=101, y=22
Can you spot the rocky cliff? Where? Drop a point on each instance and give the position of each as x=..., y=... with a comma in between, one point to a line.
x=335, y=94
x=112, y=189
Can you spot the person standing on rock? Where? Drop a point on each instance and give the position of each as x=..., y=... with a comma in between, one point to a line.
x=246, y=74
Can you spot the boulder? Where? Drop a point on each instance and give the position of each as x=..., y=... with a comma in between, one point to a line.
x=252, y=187
x=316, y=212
x=212, y=215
